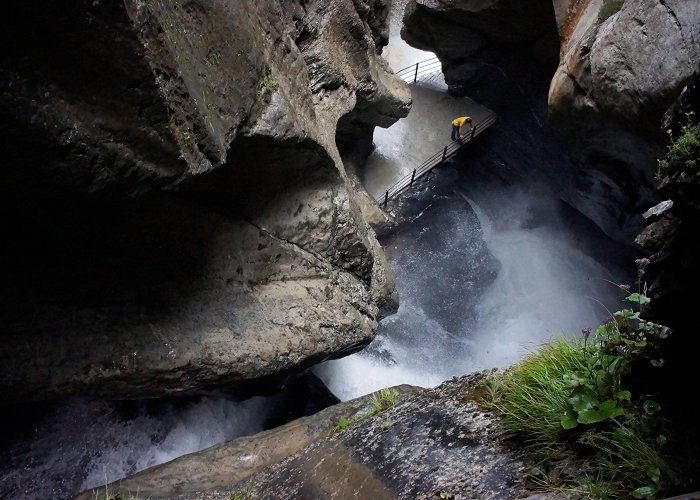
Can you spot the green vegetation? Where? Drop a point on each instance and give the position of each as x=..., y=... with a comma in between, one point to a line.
x=576, y=409
x=185, y=132
x=214, y=57
x=267, y=83
x=381, y=401
x=684, y=151
x=608, y=9
x=246, y=494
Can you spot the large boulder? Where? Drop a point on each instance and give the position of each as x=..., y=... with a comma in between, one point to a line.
x=465, y=34
x=176, y=211
x=431, y=441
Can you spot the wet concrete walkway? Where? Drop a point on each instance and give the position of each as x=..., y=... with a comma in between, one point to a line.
x=426, y=131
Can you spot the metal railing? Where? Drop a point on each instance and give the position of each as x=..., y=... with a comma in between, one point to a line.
x=436, y=160
x=415, y=72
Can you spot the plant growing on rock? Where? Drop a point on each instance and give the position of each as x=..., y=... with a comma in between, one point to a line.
x=245, y=494
x=684, y=151
x=267, y=83
x=381, y=401
x=573, y=402
x=384, y=399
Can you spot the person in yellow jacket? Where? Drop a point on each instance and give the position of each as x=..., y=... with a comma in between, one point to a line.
x=457, y=124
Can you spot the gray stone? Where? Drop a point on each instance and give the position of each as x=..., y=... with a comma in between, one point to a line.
x=430, y=441
x=658, y=210
x=180, y=217
x=617, y=77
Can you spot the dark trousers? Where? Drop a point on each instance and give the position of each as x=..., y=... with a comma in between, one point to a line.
x=455, y=132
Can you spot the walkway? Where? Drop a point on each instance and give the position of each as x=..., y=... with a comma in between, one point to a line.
x=400, y=155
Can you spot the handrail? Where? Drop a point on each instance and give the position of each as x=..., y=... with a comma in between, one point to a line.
x=411, y=73
x=435, y=160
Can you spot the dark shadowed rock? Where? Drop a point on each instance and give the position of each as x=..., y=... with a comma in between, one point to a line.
x=174, y=205
x=464, y=34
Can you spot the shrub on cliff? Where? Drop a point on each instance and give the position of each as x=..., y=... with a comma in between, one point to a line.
x=575, y=406
x=684, y=151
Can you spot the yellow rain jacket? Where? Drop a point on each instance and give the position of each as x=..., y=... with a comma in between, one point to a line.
x=459, y=122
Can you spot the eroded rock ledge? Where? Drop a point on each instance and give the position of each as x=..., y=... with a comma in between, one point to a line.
x=176, y=211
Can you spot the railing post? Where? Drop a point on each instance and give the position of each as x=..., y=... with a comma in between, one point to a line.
x=386, y=198
x=415, y=76
x=413, y=176
x=444, y=155
x=473, y=132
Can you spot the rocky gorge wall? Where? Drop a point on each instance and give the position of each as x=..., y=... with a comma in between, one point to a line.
x=609, y=82
x=175, y=210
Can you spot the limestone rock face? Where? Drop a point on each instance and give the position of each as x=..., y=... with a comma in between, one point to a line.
x=609, y=85
x=176, y=211
x=618, y=76
x=430, y=441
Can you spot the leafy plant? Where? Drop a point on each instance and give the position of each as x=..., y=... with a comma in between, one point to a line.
x=608, y=9
x=684, y=151
x=267, y=83
x=572, y=402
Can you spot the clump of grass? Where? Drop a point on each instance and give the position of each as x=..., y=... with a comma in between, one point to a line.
x=570, y=405
x=684, y=151
x=532, y=396
x=615, y=459
x=608, y=9
x=383, y=400
x=108, y=494
x=246, y=494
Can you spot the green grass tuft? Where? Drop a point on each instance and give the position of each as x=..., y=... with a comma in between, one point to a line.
x=531, y=398
x=267, y=83
x=383, y=400
x=246, y=494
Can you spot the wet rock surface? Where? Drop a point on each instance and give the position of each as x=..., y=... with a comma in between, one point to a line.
x=617, y=77
x=430, y=441
x=175, y=207
x=610, y=115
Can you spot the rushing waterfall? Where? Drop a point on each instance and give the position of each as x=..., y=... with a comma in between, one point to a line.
x=477, y=291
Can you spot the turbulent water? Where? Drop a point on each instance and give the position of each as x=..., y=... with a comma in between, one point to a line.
x=478, y=289
x=80, y=444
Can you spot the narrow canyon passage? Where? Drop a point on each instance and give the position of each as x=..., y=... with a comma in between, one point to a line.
x=488, y=266
x=490, y=262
